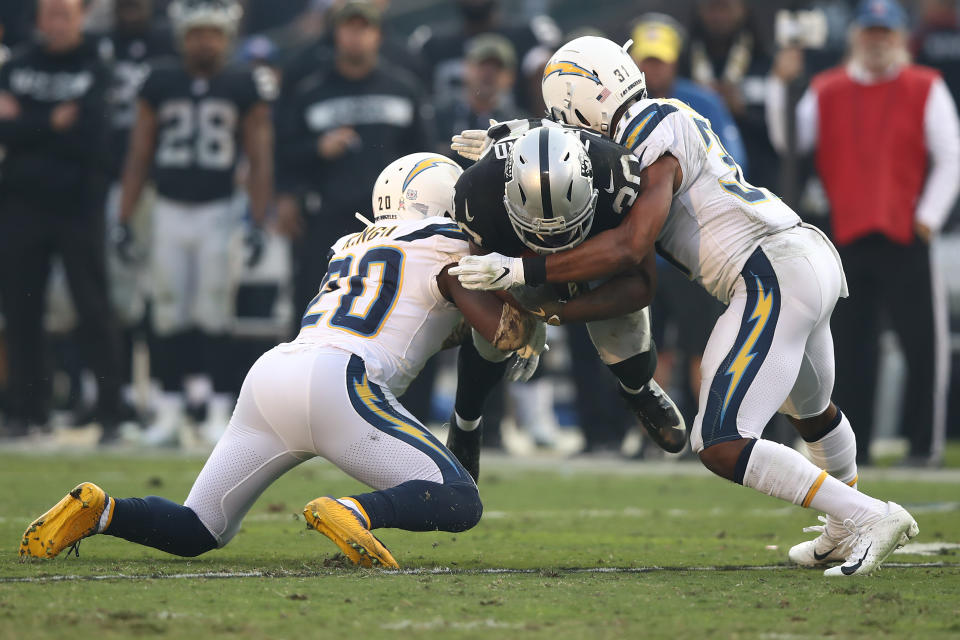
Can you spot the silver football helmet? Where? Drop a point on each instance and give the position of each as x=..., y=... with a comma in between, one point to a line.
x=550, y=197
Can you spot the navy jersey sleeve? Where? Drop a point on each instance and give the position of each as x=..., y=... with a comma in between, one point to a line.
x=479, y=208
x=152, y=89
x=616, y=177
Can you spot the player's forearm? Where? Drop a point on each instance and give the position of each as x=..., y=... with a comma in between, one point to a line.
x=602, y=256
x=618, y=297
x=615, y=250
x=260, y=183
x=136, y=170
x=505, y=326
x=258, y=138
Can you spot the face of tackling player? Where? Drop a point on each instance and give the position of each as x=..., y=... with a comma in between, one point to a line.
x=205, y=48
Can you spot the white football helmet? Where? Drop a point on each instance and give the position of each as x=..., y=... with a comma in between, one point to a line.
x=186, y=14
x=550, y=197
x=590, y=82
x=416, y=186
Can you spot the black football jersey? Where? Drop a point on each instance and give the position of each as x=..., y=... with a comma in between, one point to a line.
x=199, y=128
x=132, y=56
x=478, y=201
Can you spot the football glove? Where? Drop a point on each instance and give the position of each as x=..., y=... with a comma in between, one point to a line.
x=490, y=272
x=124, y=243
x=473, y=143
x=253, y=242
x=526, y=360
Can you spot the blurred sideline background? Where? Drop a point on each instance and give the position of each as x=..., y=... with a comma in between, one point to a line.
x=468, y=60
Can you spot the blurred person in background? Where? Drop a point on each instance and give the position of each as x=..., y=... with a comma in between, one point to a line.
x=936, y=41
x=53, y=126
x=443, y=51
x=726, y=52
x=488, y=79
x=886, y=141
x=195, y=116
x=684, y=314
x=308, y=45
x=135, y=41
x=489, y=76
x=341, y=124
x=16, y=17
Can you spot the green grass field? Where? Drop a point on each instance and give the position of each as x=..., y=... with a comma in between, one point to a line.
x=564, y=550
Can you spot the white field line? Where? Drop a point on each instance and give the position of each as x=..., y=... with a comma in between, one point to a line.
x=626, y=512
x=547, y=572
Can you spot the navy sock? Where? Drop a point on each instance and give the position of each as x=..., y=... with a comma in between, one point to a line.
x=420, y=505
x=476, y=378
x=636, y=371
x=161, y=524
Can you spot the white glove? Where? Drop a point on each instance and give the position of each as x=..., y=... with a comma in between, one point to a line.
x=491, y=272
x=473, y=143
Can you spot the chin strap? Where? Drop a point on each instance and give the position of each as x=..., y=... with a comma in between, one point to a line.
x=366, y=221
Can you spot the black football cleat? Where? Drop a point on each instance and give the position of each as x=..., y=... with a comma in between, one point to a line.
x=465, y=445
x=658, y=415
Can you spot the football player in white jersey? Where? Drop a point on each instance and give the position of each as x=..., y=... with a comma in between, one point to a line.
x=772, y=349
x=385, y=305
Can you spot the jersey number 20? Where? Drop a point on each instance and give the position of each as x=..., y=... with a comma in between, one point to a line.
x=365, y=298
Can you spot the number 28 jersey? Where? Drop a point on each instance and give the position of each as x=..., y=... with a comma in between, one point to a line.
x=716, y=219
x=199, y=123
x=380, y=299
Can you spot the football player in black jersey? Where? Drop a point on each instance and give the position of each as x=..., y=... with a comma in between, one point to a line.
x=584, y=185
x=194, y=118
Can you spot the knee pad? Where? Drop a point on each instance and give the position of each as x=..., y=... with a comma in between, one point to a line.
x=466, y=507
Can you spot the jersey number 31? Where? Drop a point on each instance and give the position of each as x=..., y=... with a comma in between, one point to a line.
x=738, y=186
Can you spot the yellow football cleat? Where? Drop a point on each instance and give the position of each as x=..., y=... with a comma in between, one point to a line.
x=78, y=515
x=342, y=525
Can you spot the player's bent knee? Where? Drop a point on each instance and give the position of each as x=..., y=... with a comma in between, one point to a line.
x=722, y=458
x=466, y=507
x=463, y=507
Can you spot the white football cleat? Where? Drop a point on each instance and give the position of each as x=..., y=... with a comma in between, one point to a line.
x=876, y=540
x=824, y=549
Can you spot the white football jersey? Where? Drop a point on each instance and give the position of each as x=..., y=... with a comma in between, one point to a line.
x=716, y=220
x=380, y=299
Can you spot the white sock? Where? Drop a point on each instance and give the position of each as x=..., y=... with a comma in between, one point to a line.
x=465, y=425
x=836, y=453
x=781, y=472
x=350, y=503
x=105, y=516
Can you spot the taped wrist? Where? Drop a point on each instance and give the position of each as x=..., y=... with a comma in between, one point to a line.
x=514, y=329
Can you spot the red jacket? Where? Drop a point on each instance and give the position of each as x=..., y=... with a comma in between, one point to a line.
x=871, y=153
